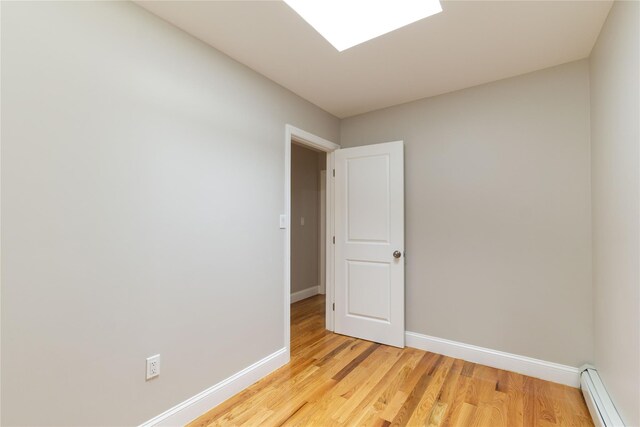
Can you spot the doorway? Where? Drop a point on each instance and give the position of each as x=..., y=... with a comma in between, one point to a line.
x=364, y=238
x=308, y=166
x=298, y=139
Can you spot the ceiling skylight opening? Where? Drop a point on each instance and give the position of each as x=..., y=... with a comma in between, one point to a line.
x=346, y=23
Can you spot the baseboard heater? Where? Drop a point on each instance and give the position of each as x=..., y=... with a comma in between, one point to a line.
x=603, y=412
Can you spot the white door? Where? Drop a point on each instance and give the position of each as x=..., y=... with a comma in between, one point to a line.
x=369, y=246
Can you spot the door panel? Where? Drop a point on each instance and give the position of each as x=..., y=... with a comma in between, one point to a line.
x=367, y=199
x=368, y=288
x=369, y=227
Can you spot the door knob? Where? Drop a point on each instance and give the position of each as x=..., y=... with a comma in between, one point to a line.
x=397, y=254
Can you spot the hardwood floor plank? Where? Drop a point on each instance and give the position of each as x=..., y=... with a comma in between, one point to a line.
x=544, y=410
x=406, y=387
x=513, y=385
x=455, y=410
x=376, y=398
x=393, y=384
x=437, y=415
x=335, y=380
x=355, y=362
x=422, y=413
x=447, y=393
x=404, y=413
x=467, y=413
x=529, y=407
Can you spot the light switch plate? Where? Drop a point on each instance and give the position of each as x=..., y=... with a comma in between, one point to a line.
x=283, y=221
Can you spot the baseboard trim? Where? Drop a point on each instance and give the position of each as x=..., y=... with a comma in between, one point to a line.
x=304, y=294
x=549, y=371
x=197, y=405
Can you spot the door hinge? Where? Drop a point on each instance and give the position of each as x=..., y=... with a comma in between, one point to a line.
x=334, y=240
x=334, y=306
x=334, y=173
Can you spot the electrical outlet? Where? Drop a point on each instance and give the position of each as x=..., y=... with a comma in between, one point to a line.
x=153, y=366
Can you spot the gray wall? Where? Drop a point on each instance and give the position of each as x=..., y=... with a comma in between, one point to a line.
x=498, y=228
x=141, y=188
x=615, y=113
x=305, y=203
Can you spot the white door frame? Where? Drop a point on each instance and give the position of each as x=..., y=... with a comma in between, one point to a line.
x=322, y=274
x=302, y=137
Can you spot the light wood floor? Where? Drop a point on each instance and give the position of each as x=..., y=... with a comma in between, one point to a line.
x=336, y=380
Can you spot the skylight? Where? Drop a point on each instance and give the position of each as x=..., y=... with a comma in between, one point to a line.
x=346, y=23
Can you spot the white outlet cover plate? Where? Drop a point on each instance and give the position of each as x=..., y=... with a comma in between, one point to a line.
x=153, y=366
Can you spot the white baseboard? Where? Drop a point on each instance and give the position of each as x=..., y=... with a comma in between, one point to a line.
x=549, y=371
x=197, y=405
x=303, y=294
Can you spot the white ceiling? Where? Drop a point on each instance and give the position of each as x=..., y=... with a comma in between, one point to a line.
x=469, y=43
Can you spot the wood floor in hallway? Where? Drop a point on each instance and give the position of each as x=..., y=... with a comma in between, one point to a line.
x=334, y=380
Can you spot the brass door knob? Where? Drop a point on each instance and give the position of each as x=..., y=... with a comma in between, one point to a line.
x=397, y=254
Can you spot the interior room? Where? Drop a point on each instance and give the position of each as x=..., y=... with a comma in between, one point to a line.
x=320, y=213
